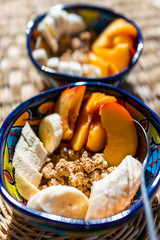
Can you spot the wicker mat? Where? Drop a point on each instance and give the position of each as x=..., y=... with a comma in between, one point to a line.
x=20, y=81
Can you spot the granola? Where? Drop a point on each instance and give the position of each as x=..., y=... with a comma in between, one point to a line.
x=77, y=169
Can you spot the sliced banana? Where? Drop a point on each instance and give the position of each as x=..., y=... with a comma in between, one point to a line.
x=50, y=131
x=28, y=154
x=40, y=55
x=34, y=201
x=26, y=169
x=34, y=142
x=21, y=144
x=61, y=200
x=25, y=188
x=113, y=193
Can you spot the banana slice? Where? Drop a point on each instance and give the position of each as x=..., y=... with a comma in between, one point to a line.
x=113, y=193
x=48, y=33
x=50, y=131
x=70, y=67
x=27, y=170
x=34, y=142
x=28, y=154
x=21, y=144
x=34, y=201
x=61, y=200
x=25, y=188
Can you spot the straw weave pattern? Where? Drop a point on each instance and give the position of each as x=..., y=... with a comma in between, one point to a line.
x=19, y=81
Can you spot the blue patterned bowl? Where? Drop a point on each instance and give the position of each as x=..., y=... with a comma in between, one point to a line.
x=33, y=110
x=95, y=18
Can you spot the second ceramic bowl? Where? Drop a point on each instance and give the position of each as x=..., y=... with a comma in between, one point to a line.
x=96, y=18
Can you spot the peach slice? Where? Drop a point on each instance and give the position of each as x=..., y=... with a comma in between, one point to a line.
x=68, y=106
x=124, y=39
x=119, y=55
x=121, y=133
x=107, y=68
x=83, y=124
x=120, y=26
x=117, y=27
x=102, y=41
x=99, y=62
x=97, y=135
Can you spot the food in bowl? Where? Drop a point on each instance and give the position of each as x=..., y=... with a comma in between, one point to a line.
x=63, y=169
x=63, y=42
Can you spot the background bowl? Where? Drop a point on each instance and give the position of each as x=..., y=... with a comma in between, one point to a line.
x=95, y=18
x=33, y=110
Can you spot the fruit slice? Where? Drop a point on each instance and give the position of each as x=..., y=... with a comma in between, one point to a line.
x=113, y=193
x=82, y=128
x=120, y=27
x=28, y=154
x=97, y=99
x=124, y=39
x=97, y=135
x=121, y=133
x=34, y=142
x=68, y=106
x=50, y=131
x=103, y=65
x=34, y=201
x=117, y=27
x=119, y=55
x=25, y=188
x=102, y=41
x=27, y=170
x=107, y=68
x=65, y=201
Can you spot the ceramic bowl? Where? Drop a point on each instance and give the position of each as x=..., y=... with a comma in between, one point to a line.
x=33, y=110
x=96, y=18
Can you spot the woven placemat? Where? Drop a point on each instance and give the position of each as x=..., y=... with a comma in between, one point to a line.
x=20, y=81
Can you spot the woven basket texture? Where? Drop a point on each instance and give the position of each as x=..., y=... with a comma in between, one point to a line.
x=19, y=81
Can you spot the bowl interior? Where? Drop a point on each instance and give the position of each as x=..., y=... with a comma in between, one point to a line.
x=36, y=108
x=96, y=18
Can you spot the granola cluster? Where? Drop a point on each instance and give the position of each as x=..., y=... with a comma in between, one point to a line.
x=77, y=169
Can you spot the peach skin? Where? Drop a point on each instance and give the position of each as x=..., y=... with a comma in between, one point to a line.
x=80, y=136
x=68, y=106
x=121, y=133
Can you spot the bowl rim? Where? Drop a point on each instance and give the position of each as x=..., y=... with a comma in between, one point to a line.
x=68, y=223
x=32, y=24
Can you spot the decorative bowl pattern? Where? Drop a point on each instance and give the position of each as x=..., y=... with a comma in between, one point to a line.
x=33, y=110
x=95, y=18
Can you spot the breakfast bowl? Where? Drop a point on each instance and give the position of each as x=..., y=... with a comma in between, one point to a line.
x=111, y=65
x=33, y=111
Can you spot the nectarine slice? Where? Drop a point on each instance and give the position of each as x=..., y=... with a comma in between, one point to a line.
x=124, y=39
x=107, y=68
x=119, y=55
x=82, y=128
x=99, y=62
x=68, y=106
x=83, y=124
x=102, y=41
x=121, y=133
x=97, y=135
x=120, y=26
x=97, y=99
x=117, y=27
